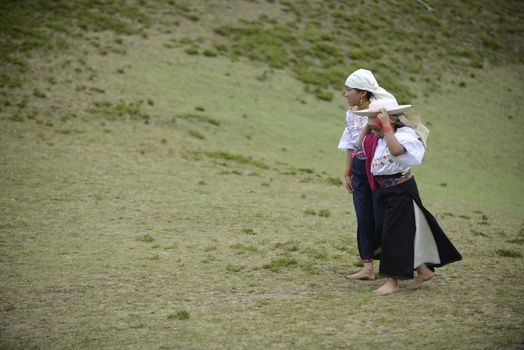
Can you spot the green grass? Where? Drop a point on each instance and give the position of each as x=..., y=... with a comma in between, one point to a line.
x=280, y=263
x=179, y=315
x=145, y=238
x=510, y=253
x=198, y=118
x=155, y=199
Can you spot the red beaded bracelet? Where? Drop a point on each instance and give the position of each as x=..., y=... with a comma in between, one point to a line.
x=347, y=173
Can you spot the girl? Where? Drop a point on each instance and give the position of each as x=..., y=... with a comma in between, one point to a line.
x=411, y=237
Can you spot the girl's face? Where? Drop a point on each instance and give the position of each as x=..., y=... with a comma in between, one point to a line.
x=376, y=130
x=353, y=96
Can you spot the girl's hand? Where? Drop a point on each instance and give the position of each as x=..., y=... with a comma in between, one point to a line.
x=383, y=117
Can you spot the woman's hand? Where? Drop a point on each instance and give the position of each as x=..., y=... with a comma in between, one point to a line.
x=349, y=185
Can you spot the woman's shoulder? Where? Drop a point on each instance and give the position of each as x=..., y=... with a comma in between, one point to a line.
x=351, y=115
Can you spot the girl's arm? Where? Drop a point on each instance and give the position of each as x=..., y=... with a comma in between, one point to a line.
x=395, y=148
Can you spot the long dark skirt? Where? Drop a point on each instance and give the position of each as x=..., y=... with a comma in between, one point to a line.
x=398, y=233
x=366, y=209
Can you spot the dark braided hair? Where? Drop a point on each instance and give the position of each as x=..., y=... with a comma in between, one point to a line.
x=395, y=121
x=368, y=93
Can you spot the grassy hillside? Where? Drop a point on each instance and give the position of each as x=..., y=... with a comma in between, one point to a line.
x=167, y=184
x=317, y=41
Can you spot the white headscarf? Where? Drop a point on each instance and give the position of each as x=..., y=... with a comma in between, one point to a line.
x=363, y=79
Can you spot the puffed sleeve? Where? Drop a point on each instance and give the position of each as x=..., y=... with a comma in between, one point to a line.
x=414, y=147
x=345, y=140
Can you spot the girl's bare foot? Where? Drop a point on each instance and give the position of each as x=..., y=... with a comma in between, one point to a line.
x=363, y=275
x=390, y=287
x=424, y=274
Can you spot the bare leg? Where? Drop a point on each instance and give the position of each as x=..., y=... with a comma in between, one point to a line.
x=424, y=274
x=390, y=287
x=366, y=273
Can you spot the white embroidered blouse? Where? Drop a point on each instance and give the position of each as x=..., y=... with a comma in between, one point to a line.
x=385, y=164
x=351, y=134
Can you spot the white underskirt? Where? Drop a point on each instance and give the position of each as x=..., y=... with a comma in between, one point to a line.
x=425, y=247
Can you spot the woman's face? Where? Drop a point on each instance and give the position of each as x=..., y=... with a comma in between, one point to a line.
x=353, y=96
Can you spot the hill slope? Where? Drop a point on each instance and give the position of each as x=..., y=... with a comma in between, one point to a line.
x=154, y=197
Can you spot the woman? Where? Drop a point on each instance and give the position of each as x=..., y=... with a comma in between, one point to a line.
x=361, y=88
x=411, y=237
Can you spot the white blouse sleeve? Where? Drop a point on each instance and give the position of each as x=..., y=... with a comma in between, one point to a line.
x=414, y=147
x=351, y=134
x=345, y=141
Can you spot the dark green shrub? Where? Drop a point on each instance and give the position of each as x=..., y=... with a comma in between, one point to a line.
x=509, y=253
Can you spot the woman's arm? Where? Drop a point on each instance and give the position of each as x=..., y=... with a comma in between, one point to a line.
x=365, y=130
x=395, y=148
x=349, y=166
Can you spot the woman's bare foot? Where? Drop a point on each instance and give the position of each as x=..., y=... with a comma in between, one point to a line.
x=424, y=274
x=366, y=273
x=390, y=287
